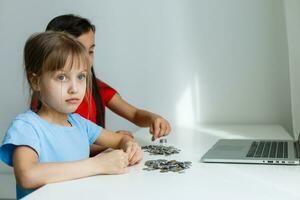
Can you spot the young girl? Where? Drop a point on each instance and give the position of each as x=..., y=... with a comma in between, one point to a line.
x=52, y=145
x=102, y=94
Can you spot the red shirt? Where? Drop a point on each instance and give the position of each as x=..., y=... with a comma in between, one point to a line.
x=106, y=93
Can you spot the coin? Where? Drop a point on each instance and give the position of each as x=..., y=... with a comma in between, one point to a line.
x=167, y=166
x=163, y=141
x=153, y=138
x=160, y=150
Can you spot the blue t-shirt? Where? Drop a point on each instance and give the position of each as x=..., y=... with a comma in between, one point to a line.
x=52, y=143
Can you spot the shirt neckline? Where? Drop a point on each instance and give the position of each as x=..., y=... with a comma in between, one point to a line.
x=54, y=125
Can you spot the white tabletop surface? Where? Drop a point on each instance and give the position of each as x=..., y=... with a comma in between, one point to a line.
x=201, y=181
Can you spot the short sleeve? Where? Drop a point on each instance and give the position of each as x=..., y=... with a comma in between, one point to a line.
x=20, y=133
x=106, y=91
x=92, y=130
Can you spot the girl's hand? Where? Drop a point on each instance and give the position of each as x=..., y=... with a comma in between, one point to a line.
x=128, y=133
x=113, y=162
x=134, y=151
x=159, y=127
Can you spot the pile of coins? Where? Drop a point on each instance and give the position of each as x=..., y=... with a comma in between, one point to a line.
x=167, y=166
x=161, y=164
x=160, y=150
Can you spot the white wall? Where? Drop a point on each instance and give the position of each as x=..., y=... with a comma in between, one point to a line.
x=292, y=10
x=201, y=61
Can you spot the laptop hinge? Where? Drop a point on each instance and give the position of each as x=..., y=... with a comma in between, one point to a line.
x=297, y=148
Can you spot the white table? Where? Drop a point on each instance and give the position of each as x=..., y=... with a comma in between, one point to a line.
x=201, y=181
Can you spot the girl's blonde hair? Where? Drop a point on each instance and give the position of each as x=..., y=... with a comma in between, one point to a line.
x=49, y=51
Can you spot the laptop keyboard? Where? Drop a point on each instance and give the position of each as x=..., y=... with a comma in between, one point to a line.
x=268, y=149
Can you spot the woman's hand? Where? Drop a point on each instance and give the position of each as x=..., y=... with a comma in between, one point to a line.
x=134, y=152
x=159, y=127
x=113, y=162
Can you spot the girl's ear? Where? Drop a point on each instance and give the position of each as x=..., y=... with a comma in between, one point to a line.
x=34, y=82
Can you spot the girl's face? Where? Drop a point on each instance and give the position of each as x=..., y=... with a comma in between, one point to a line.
x=88, y=40
x=62, y=91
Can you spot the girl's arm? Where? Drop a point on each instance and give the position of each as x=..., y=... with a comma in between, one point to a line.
x=96, y=149
x=31, y=174
x=157, y=124
x=121, y=141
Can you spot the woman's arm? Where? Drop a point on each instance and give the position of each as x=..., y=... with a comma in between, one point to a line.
x=157, y=124
x=31, y=174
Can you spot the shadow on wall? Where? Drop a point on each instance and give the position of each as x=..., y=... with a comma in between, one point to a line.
x=231, y=61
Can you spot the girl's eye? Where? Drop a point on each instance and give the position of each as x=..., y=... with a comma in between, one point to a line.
x=81, y=76
x=61, y=77
x=91, y=52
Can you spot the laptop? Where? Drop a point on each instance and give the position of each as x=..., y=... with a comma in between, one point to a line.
x=275, y=152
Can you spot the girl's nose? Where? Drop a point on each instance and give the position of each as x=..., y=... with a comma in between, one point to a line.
x=73, y=87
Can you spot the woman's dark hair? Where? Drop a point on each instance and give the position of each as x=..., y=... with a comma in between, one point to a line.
x=76, y=26
x=72, y=24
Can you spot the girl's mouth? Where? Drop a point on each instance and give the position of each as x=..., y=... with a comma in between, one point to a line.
x=72, y=100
